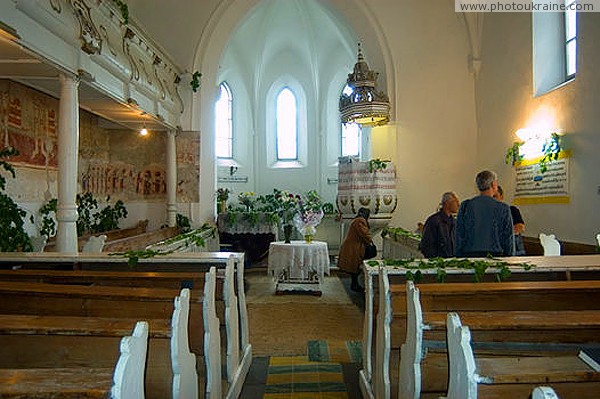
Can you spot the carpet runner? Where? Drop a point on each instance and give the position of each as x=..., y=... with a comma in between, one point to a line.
x=335, y=351
x=298, y=378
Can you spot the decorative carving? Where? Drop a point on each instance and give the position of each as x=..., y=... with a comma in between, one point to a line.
x=89, y=35
x=56, y=6
x=104, y=34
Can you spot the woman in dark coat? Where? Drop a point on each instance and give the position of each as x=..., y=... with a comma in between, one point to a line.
x=352, y=250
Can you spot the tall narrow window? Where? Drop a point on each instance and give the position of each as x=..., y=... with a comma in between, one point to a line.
x=351, y=133
x=224, y=123
x=351, y=137
x=570, y=38
x=554, y=47
x=287, y=126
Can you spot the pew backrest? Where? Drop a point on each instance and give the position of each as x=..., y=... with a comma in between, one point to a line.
x=463, y=377
x=411, y=352
x=94, y=244
x=128, y=380
x=212, y=339
x=231, y=320
x=543, y=393
x=381, y=370
x=183, y=362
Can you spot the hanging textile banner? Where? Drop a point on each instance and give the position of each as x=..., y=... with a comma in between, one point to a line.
x=550, y=187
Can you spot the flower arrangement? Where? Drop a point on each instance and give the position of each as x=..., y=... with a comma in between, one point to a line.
x=223, y=194
x=247, y=199
x=309, y=214
x=287, y=205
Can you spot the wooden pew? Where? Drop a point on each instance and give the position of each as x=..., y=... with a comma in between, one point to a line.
x=94, y=336
x=239, y=354
x=126, y=381
x=18, y=298
x=502, y=377
x=411, y=369
x=556, y=268
x=174, y=280
x=111, y=235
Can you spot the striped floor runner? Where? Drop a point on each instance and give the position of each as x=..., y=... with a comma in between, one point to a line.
x=335, y=351
x=299, y=378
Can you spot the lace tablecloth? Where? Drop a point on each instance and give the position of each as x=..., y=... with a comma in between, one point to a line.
x=298, y=260
x=244, y=225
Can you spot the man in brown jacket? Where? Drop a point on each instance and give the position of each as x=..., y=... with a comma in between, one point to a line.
x=352, y=251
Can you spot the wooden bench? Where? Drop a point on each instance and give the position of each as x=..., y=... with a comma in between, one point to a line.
x=140, y=241
x=556, y=268
x=174, y=280
x=415, y=323
x=111, y=235
x=503, y=377
x=239, y=349
x=19, y=298
x=125, y=381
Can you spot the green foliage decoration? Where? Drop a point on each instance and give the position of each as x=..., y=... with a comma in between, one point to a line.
x=122, y=6
x=12, y=218
x=194, y=236
x=48, y=227
x=415, y=267
x=513, y=154
x=182, y=222
x=399, y=231
x=195, y=83
x=378, y=164
x=91, y=220
x=551, y=150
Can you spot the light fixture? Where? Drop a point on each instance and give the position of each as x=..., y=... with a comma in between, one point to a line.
x=365, y=105
x=143, y=131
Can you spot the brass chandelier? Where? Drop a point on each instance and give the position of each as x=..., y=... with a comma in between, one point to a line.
x=365, y=105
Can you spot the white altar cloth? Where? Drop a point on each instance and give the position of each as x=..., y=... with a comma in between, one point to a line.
x=298, y=263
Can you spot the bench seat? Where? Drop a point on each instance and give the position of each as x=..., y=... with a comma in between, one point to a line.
x=51, y=383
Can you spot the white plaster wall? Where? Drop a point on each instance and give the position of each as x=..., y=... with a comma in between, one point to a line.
x=505, y=103
x=435, y=127
x=420, y=49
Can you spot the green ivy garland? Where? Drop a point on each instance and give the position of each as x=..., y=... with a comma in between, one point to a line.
x=399, y=231
x=194, y=236
x=479, y=267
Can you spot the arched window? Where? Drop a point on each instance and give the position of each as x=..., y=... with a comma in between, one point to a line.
x=287, y=126
x=224, y=123
x=351, y=133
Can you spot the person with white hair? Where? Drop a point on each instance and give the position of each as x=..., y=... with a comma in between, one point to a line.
x=439, y=229
x=484, y=226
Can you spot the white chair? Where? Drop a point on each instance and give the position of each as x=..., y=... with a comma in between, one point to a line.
x=128, y=378
x=550, y=244
x=94, y=244
x=544, y=393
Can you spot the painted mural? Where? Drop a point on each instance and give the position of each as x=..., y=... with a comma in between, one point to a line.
x=116, y=163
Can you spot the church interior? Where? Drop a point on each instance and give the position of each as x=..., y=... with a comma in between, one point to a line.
x=192, y=135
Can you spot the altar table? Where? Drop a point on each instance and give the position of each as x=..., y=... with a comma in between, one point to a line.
x=298, y=266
